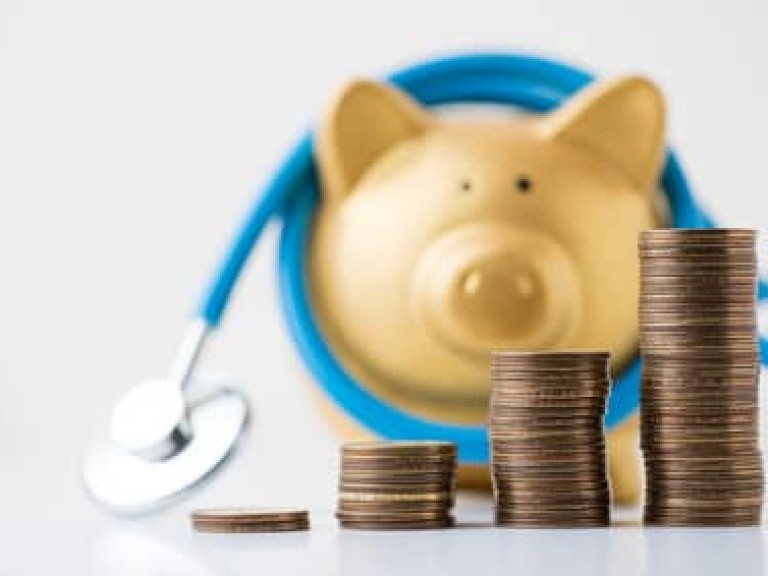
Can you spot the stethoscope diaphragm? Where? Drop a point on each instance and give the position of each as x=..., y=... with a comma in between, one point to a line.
x=130, y=483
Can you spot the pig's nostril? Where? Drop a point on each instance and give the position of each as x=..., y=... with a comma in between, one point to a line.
x=524, y=285
x=472, y=283
x=520, y=285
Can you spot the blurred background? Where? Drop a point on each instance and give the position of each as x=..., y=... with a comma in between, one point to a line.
x=133, y=135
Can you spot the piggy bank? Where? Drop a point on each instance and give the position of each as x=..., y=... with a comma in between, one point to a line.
x=438, y=240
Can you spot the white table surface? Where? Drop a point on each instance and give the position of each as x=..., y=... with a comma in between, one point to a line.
x=167, y=546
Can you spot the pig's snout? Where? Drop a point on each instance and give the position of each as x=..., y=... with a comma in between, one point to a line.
x=486, y=286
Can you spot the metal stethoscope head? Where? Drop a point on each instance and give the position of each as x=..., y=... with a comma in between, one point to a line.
x=165, y=436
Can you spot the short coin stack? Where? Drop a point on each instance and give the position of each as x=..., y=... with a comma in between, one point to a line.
x=236, y=520
x=546, y=432
x=397, y=485
x=699, y=396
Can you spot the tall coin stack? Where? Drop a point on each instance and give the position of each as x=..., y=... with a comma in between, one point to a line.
x=397, y=485
x=699, y=392
x=546, y=432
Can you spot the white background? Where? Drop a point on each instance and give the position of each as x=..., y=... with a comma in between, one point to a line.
x=132, y=137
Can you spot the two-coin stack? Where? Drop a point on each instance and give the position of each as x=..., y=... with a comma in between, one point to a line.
x=699, y=394
x=546, y=433
x=235, y=520
x=397, y=485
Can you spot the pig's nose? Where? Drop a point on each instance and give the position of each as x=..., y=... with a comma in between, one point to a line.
x=504, y=298
x=486, y=286
x=521, y=284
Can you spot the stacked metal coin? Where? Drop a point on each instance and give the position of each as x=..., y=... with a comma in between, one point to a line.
x=547, y=444
x=234, y=520
x=397, y=485
x=700, y=373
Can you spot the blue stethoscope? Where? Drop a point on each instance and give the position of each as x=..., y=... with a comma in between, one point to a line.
x=167, y=435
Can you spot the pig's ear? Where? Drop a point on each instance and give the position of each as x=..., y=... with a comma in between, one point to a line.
x=366, y=120
x=622, y=119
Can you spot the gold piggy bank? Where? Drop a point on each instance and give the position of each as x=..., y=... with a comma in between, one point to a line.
x=439, y=240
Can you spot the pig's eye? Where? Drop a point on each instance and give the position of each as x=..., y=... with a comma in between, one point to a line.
x=523, y=184
x=465, y=186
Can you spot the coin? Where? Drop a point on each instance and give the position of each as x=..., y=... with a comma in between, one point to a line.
x=399, y=449
x=241, y=520
x=694, y=486
x=384, y=460
x=737, y=495
x=751, y=519
x=390, y=498
x=364, y=524
x=411, y=510
x=559, y=520
x=375, y=486
x=401, y=478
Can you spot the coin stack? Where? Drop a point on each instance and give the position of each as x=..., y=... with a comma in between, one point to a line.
x=237, y=520
x=397, y=485
x=546, y=433
x=700, y=372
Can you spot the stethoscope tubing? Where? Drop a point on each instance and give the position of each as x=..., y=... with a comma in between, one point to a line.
x=527, y=82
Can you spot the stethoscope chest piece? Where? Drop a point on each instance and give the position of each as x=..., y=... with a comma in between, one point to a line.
x=159, y=446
